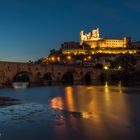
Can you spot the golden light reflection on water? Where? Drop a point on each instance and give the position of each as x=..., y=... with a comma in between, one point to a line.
x=97, y=105
x=69, y=98
x=90, y=99
x=57, y=103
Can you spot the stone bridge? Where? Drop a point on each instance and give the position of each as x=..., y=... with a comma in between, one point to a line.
x=35, y=73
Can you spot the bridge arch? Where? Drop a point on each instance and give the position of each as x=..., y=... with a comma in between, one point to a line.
x=70, y=77
x=67, y=78
x=102, y=77
x=22, y=76
x=88, y=77
x=48, y=78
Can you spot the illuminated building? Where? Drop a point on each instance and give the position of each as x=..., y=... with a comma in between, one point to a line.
x=91, y=43
x=93, y=40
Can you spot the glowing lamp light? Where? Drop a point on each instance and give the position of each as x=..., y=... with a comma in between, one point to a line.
x=89, y=57
x=85, y=59
x=69, y=57
x=119, y=68
x=105, y=67
x=58, y=58
x=53, y=58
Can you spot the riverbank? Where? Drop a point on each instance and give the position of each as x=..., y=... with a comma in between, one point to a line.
x=123, y=82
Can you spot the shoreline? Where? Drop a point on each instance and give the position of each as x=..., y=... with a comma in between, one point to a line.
x=93, y=83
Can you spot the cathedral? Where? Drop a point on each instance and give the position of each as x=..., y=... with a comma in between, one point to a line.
x=92, y=43
x=93, y=40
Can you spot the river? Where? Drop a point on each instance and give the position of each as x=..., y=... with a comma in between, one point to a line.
x=101, y=112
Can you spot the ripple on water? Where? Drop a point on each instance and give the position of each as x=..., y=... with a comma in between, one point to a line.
x=23, y=114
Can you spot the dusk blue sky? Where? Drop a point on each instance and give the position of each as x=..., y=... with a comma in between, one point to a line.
x=30, y=28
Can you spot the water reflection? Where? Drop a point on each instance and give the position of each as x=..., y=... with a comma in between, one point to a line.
x=98, y=106
x=57, y=103
x=89, y=99
x=73, y=112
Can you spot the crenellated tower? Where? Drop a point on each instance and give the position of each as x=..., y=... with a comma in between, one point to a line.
x=94, y=35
